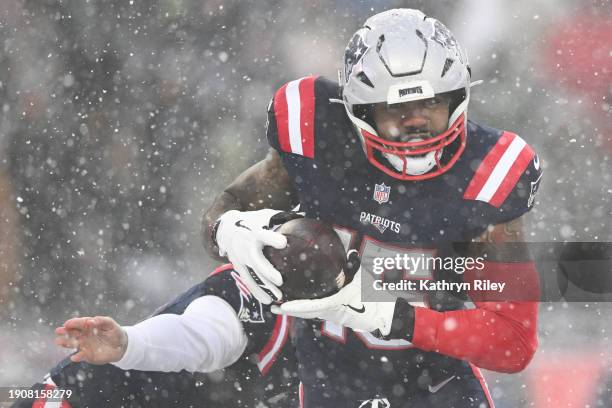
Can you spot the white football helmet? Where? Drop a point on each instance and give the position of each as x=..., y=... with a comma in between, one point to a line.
x=399, y=56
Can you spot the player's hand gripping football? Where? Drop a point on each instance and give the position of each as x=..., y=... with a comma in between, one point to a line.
x=345, y=307
x=98, y=340
x=241, y=237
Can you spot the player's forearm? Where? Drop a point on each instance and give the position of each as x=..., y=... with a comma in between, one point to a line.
x=206, y=337
x=500, y=334
x=501, y=340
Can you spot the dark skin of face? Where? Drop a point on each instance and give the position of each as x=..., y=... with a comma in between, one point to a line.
x=418, y=119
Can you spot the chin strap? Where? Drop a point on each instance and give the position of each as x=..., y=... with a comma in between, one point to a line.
x=424, y=164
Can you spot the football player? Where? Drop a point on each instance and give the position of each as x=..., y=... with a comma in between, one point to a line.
x=390, y=158
x=216, y=324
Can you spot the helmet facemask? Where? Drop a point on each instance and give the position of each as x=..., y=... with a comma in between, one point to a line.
x=410, y=160
x=402, y=56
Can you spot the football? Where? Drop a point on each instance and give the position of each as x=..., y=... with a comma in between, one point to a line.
x=312, y=263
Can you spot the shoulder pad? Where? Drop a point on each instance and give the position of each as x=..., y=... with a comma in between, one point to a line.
x=291, y=117
x=499, y=173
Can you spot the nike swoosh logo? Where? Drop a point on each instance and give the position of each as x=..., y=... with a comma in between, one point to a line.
x=362, y=310
x=239, y=225
x=435, y=389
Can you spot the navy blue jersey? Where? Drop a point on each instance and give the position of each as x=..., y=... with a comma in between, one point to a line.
x=265, y=374
x=335, y=182
x=493, y=182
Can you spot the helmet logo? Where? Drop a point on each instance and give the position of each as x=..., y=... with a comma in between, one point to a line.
x=409, y=91
x=353, y=53
x=445, y=38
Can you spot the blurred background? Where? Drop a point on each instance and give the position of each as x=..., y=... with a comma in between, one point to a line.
x=120, y=120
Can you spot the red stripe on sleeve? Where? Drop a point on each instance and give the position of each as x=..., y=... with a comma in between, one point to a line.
x=281, y=114
x=483, y=384
x=307, y=115
x=271, y=341
x=488, y=164
x=301, y=395
x=517, y=169
x=241, y=286
x=288, y=322
x=220, y=269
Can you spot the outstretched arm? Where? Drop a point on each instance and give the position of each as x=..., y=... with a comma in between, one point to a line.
x=99, y=340
x=206, y=337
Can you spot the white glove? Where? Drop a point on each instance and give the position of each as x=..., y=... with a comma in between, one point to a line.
x=241, y=236
x=344, y=308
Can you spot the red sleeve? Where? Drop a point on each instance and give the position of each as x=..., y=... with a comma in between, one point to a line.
x=500, y=334
x=291, y=118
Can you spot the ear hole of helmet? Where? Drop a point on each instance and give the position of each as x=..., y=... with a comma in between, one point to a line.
x=456, y=97
x=365, y=112
x=364, y=78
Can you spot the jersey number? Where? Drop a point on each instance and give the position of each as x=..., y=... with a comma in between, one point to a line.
x=368, y=250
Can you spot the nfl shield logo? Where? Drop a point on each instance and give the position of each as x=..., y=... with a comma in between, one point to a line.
x=381, y=193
